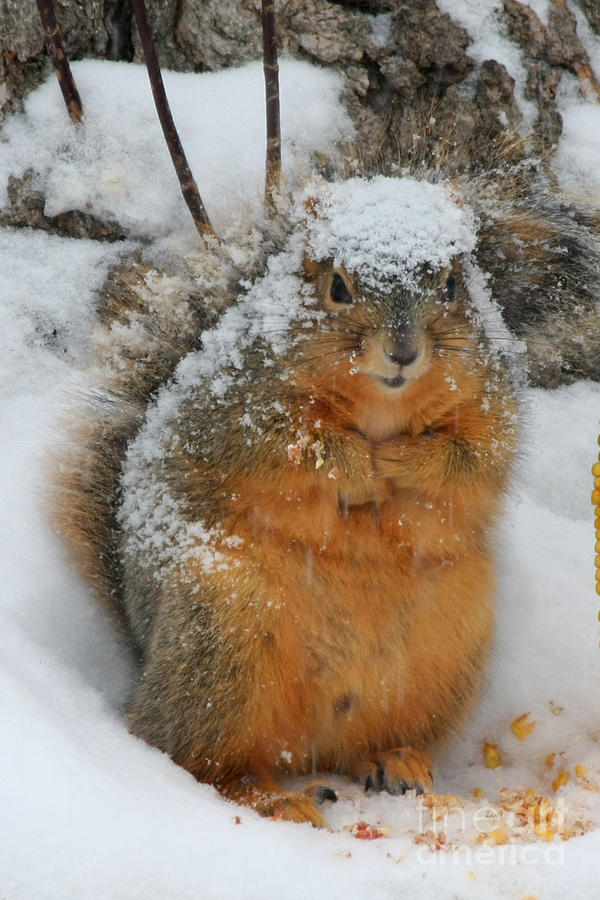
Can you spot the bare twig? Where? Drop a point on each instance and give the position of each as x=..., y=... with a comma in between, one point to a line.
x=271, y=70
x=189, y=188
x=59, y=59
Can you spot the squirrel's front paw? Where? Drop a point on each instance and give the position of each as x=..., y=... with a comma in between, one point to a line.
x=399, y=770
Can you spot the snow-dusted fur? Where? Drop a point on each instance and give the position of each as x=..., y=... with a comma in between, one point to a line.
x=147, y=321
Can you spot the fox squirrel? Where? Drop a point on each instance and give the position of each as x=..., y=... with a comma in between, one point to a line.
x=291, y=495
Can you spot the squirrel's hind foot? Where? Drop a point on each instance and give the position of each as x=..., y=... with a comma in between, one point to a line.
x=397, y=771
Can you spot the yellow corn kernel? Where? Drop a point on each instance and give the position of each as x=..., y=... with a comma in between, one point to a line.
x=522, y=727
x=597, y=546
x=550, y=760
x=499, y=835
x=580, y=771
x=491, y=755
x=596, y=469
x=596, y=497
x=598, y=592
x=597, y=560
x=560, y=780
x=449, y=801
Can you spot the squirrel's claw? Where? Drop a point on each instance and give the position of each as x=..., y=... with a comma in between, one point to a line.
x=324, y=794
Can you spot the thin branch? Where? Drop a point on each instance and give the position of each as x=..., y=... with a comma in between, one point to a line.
x=271, y=70
x=60, y=62
x=189, y=188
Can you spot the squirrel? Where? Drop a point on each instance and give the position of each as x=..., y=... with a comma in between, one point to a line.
x=290, y=491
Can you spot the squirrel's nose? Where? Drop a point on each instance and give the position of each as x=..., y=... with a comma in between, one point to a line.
x=402, y=353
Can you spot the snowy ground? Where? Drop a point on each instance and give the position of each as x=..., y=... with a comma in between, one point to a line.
x=87, y=810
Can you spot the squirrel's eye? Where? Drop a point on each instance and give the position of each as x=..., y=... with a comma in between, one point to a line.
x=338, y=292
x=450, y=288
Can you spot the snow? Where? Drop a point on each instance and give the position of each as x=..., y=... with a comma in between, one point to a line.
x=381, y=29
x=38, y=309
x=90, y=811
x=103, y=167
x=577, y=153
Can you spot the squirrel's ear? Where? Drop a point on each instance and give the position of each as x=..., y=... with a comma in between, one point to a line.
x=453, y=269
x=311, y=267
x=316, y=268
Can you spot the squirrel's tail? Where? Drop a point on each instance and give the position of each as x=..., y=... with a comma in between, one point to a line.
x=542, y=257
x=146, y=322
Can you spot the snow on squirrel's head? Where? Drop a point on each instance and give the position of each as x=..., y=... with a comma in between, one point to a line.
x=386, y=230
